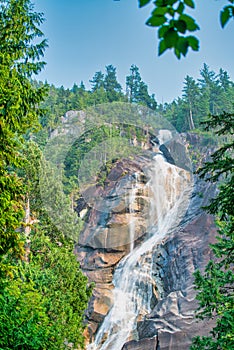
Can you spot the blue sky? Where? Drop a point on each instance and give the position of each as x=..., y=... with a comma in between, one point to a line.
x=86, y=35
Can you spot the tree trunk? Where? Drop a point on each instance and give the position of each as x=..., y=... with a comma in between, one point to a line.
x=191, y=123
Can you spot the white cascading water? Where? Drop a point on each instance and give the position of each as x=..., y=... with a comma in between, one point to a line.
x=170, y=189
x=131, y=204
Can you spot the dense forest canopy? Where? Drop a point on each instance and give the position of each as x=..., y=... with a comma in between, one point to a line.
x=212, y=92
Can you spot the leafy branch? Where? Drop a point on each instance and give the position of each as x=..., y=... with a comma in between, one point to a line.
x=175, y=24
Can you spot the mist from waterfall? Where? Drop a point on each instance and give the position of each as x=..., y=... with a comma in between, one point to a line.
x=170, y=189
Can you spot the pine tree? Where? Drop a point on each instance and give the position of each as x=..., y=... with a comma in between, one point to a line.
x=97, y=81
x=144, y=97
x=133, y=84
x=19, y=99
x=60, y=289
x=112, y=87
x=137, y=90
x=216, y=286
x=227, y=91
x=210, y=89
x=191, y=95
x=224, y=79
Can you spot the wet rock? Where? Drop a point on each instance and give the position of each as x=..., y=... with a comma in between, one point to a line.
x=166, y=154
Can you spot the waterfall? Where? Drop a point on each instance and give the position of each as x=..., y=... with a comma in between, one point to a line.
x=170, y=189
x=131, y=204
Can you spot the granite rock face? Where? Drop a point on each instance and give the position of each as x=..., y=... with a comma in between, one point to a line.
x=172, y=319
x=106, y=239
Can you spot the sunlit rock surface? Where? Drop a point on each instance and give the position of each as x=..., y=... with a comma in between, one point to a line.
x=106, y=238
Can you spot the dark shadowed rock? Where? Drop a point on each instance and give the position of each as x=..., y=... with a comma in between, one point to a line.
x=166, y=154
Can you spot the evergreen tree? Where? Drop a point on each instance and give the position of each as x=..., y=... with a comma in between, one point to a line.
x=227, y=91
x=19, y=99
x=24, y=322
x=137, y=90
x=191, y=95
x=224, y=80
x=51, y=267
x=133, y=84
x=97, y=81
x=216, y=286
x=210, y=89
x=144, y=97
x=111, y=85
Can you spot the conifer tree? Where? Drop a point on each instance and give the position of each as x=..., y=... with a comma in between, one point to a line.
x=210, y=89
x=97, y=81
x=133, y=83
x=191, y=94
x=137, y=90
x=111, y=85
x=216, y=286
x=21, y=48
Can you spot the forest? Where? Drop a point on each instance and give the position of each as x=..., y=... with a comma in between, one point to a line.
x=43, y=292
x=212, y=93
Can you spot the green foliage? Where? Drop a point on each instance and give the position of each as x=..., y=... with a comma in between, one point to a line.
x=175, y=24
x=84, y=145
x=211, y=93
x=216, y=286
x=97, y=81
x=226, y=14
x=111, y=85
x=51, y=265
x=43, y=298
x=57, y=276
x=137, y=90
x=19, y=100
x=24, y=323
x=43, y=306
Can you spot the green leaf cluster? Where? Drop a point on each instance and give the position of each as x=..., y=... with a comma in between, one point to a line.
x=226, y=13
x=24, y=323
x=174, y=24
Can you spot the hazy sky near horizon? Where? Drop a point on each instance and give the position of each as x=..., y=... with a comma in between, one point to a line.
x=86, y=35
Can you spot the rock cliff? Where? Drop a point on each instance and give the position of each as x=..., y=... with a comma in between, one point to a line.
x=108, y=237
